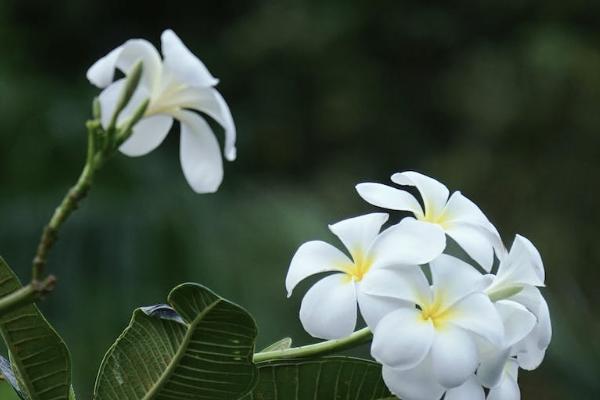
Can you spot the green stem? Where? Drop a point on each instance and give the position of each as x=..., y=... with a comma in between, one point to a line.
x=319, y=349
x=69, y=204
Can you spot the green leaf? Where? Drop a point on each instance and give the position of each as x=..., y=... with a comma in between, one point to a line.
x=282, y=344
x=201, y=348
x=327, y=378
x=39, y=356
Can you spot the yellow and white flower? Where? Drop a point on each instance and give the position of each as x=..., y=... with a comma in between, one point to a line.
x=455, y=215
x=178, y=87
x=430, y=343
x=329, y=308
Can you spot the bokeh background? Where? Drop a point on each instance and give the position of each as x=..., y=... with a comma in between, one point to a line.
x=498, y=99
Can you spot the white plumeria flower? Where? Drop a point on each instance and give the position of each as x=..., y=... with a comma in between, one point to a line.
x=519, y=274
x=429, y=344
x=455, y=215
x=329, y=308
x=174, y=86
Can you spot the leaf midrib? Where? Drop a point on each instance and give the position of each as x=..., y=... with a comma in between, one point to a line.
x=180, y=352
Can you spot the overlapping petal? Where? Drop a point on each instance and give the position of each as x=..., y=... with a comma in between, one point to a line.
x=200, y=153
x=388, y=197
x=312, y=258
x=147, y=135
x=408, y=243
x=414, y=384
x=359, y=233
x=402, y=339
x=454, y=356
x=476, y=240
x=434, y=194
x=408, y=284
x=477, y=314
x=508, y=389
x=328, y=309
x=470, y=390
x=454, y=279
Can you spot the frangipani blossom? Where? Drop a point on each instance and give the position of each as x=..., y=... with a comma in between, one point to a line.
x=430, y=343
x=329, y=308
x=455, y=215
x=175, y=85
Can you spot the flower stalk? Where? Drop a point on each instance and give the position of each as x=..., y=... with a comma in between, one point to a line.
x=318, y=349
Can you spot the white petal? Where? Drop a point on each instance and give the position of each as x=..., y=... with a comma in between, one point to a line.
x=477, y=314
x=434, y=193
x=493, y=364
x=200, y=153
x=470, y=390
x=454, y=279
x=460, y=208
x=522, y=266
x=408, y=243
x=210, y=102
x=407, y=284
x=518, y=321
x=508, y=388
x=532, y=349
x=358, y=233
x=475, y=241
x=413, y=384
x=147, y=135
x=102, y=72
x=108, y=101
x=183, y=64
x=374, y=308
x=388, y=197
x=454, y=356
x=312, y=258
x=328, y=309
x=402, y=339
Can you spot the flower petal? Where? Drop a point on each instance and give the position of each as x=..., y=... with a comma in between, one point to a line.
x=434, y=193
x=476, y=241
x=413, y=384
x=102, y=72
x=358, y=233
x=518, y=321
x=200, y=154
x=470, y=390
x=374, y=308
x=532, y=349
x=454, y=356
x=522, y=266
x=312, y=258
x=408, y=243
x=461, y=209
x=124, y=58
x=328, y=309
x=402, y=339
x=210, y=102
x=477, y=314
x=183, y=64
x=147, y=135
x=454, y=279
x=493, y=362
x=407, y=284
x=508, y=389
x=389, y=197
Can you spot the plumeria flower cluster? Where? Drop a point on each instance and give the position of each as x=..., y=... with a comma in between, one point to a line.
x=178, y=87
x=442, y=326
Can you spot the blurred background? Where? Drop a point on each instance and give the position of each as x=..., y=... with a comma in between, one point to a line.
x=497, y=99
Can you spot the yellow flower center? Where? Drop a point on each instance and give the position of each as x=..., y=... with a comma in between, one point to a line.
x=436, y=312
x=434, y=216
x=358, y=268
